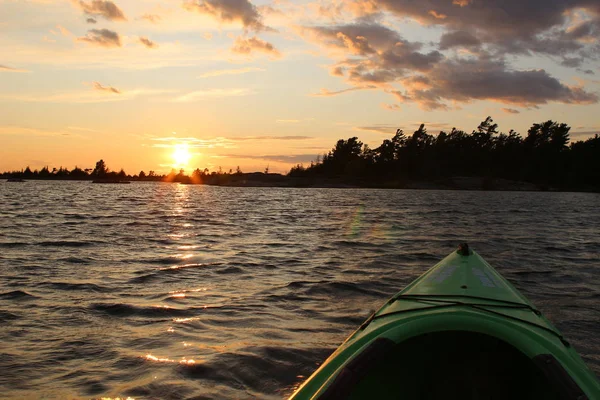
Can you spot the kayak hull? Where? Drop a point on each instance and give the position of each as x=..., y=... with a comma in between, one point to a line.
x=460, y=303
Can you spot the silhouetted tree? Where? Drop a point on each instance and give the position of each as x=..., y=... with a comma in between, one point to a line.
x=100, y=170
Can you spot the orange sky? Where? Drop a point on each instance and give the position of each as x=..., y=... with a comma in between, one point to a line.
x=275, y=83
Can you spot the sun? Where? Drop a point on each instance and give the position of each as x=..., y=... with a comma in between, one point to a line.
x=181, y=155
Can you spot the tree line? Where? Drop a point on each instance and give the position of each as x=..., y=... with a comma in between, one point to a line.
x=545, y=156
x=102, y=172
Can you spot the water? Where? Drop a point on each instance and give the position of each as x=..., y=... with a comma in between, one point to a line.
x=166, y=291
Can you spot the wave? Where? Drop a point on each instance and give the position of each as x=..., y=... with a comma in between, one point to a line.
x=6, y=316
x=11, y=245
x=65, y=243
x=68, y=286
x=128, y=310
x=17, y=295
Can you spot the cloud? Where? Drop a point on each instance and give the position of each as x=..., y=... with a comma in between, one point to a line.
x=91, y=21
x=284, y=158
x=147, y=42
x=575, y=136
x=153, y=18
x=458, y=39
x=109, y=89
x=102, y=8
x=245, y=45
x=13, y=130
x=6, y=68
x=377, y=54
x=97, y=95
x=211, y=143
x=391, y=107
x=518, y=27
x=211, y=93
x=260, y=138
x=359, y=38
x=101, y=37
x=378, y=128
x=328, y=93
x=464, y=80
x=230, y=72
x=228, y=11
x=511, y=111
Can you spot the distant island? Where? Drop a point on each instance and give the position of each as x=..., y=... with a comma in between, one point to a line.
x=485, y=159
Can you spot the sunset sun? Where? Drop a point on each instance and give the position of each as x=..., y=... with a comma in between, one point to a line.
x=181, y=155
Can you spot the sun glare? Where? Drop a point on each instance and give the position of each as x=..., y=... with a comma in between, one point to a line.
x=181, y=155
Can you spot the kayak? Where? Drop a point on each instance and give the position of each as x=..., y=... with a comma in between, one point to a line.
x=460, y=331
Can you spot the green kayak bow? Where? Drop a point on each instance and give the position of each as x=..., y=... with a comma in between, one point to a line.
x=460, y=331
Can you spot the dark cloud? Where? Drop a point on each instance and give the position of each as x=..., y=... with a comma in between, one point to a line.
x=250, y=45
x=458, y=39
x=511, y=111
x=381, y=55
x=102, y=8
x=102, y=37
x=241, y=11
x=147, y=42
x=571, y=62
x=359, y=38
x=552, y=27
x=102, y=88
x=91, y=21
x=466, y=80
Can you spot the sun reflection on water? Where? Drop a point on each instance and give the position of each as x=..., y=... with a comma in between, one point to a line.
x=183, y=360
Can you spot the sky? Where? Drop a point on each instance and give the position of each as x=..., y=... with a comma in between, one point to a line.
x=273, y=83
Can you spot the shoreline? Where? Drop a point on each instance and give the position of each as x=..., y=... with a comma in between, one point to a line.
x=258, y=179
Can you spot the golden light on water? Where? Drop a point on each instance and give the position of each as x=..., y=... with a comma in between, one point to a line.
x=184, y=360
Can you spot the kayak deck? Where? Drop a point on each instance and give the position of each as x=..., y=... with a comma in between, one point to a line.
x=460, y=331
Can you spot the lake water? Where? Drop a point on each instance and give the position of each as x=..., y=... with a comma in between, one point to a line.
x=167, y=291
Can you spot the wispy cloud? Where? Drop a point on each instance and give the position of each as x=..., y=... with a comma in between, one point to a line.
x=211, y=93
x=391, y=107
x=147, y=42
x=102, y=8
x=230, y=72
x=246, y=138
x=327, y=93
x=153, y=18
x=248, y=46
x=378, y=128
x=192, y=142
x=6, y=68
x=102, y=88
x=84, y=97
x=283, y=158
x=511, y=111
x=102, y=38
x=15, y=130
